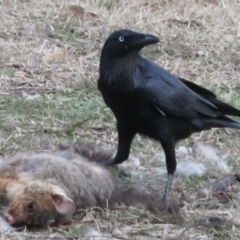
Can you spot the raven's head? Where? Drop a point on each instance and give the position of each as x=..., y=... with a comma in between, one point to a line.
x=124, y=42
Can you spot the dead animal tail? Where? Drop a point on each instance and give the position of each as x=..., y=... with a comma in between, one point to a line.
x=134, y=196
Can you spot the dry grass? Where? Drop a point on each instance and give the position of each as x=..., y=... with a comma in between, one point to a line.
x=50, y=51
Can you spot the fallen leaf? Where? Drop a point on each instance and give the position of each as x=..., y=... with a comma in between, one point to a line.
x=30, y=97
x=79, y=11
x=20, y=74
x=155, y=220
x=89, y=218
x=213, y=2
x=119, y=234
x=84, y=57
x=58, y=55
x=64, y=224
x=187, y=71
x=187, y=22
x=55, y=236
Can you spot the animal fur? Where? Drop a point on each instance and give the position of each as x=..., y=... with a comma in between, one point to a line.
x=45, y=188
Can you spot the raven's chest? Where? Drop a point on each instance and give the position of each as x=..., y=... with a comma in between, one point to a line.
x=125, y=103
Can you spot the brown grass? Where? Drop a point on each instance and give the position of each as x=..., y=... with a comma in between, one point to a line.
x=52, y=48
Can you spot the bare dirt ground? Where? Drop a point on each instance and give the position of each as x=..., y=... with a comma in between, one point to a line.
x=49, y=57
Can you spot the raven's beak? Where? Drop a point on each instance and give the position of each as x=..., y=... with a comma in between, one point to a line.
x=142, y=40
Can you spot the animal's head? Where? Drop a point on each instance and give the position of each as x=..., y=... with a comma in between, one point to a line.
x=39, y=203
x=123, y=42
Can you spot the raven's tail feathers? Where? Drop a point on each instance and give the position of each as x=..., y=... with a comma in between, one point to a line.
x=220, y=122
x=225, y=108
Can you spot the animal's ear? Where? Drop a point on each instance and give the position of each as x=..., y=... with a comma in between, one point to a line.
x=63, y=204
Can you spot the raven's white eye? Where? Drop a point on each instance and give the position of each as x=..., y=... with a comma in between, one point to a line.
x=121, y=39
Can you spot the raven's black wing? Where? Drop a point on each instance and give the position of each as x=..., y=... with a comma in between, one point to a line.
x=170, y=95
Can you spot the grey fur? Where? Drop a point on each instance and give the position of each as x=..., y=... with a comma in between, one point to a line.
x=86, y=183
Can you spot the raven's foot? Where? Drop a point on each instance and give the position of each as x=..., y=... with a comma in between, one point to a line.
x=165, y=201
x=167, y=205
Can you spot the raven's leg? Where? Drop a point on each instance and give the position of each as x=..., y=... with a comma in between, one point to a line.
x=125, y=137
x=169, y=150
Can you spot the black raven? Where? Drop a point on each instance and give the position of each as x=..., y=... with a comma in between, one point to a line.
x=149, y=100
